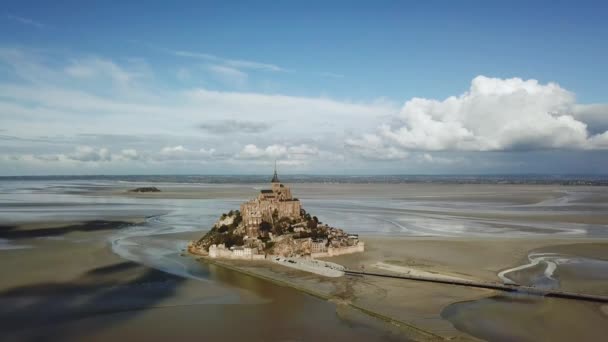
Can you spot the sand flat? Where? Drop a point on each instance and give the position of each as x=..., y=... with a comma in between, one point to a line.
x=461, y=231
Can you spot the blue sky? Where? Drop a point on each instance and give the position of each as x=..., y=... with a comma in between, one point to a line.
x=227, y=87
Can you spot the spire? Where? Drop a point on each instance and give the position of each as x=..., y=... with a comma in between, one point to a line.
x=275, y=177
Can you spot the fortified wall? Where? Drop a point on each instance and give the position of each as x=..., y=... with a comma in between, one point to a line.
x=335, y=251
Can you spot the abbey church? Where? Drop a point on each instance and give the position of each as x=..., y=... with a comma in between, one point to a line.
x=277, y=201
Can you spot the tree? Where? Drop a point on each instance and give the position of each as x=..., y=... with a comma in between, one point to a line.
x=265, y=227
x=311, y=224
x=237, y=219
x=234, y=240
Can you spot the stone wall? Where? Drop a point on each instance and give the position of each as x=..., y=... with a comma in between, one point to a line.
x=335, y=251
x=257, y=210
x=224, y=253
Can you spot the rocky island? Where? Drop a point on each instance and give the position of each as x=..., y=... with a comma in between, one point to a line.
x=273, y=224
x=146, y=189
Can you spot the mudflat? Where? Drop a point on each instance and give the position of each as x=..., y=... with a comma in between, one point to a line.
x=104, y=263
x=73, y=287
x=419, y=307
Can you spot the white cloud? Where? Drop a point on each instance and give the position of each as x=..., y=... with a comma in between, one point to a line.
x=594, y=115
x=235, y=63
x=130, y=154
x=251, y=151
x=494, y=115
x=600, y=140
x=303, y=150
x=234, y=126
x=95, y=67
x=50, y=103
x=26, y=21
x=279, y=152
x=179, y=152
x=229, y=75
x=48, y=98
x=372, y=147
x=429, y=158
x=277, y=106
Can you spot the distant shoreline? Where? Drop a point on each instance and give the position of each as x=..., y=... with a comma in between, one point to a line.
x=513, y=179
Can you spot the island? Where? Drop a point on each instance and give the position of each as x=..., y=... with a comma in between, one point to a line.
x=273, y=225
x=146, y=189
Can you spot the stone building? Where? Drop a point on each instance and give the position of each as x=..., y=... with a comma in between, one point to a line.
x=276, y=199
x=319, y=246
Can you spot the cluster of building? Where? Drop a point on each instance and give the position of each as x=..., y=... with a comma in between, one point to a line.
x=271, y=206
x=337, y=243
x=234, y=252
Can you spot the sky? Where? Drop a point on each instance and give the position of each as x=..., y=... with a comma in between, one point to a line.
x=340, y=87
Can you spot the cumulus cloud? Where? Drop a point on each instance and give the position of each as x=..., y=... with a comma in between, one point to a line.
x=130, y=154
x=251, y=151
x=232, y=126
x=494, y=115
x=594, y=115
x=52, y=102
x=180, y=152
x=277, y=151
x=88, y=153
x=373, y=147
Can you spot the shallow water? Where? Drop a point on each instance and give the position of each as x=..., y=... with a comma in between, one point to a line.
x=529, y=318
x=191, y=300
x=158, y=242
x=521, y=317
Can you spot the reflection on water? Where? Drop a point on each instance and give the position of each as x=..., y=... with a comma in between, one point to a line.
x=518, y=317
x=187, y=300
x=419, y=216
x=522, y=317
x=266, y=310
x=543, y=270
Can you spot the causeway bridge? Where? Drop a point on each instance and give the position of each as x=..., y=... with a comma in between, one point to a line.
x=488, y=285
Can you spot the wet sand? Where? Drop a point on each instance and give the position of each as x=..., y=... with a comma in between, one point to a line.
x=106, y=264
x=69, y=290
x=419, y=308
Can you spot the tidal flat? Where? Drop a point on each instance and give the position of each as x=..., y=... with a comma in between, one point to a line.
x=89, y=259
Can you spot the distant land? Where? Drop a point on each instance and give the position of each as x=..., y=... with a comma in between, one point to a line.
x=594, y=180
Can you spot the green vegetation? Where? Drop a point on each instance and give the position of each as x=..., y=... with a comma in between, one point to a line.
x=265, y=227
x=282, y=226
x=224, y=233
x=269, y=245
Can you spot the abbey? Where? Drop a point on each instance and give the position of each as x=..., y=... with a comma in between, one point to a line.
x=270, y=205
x=273, y=224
